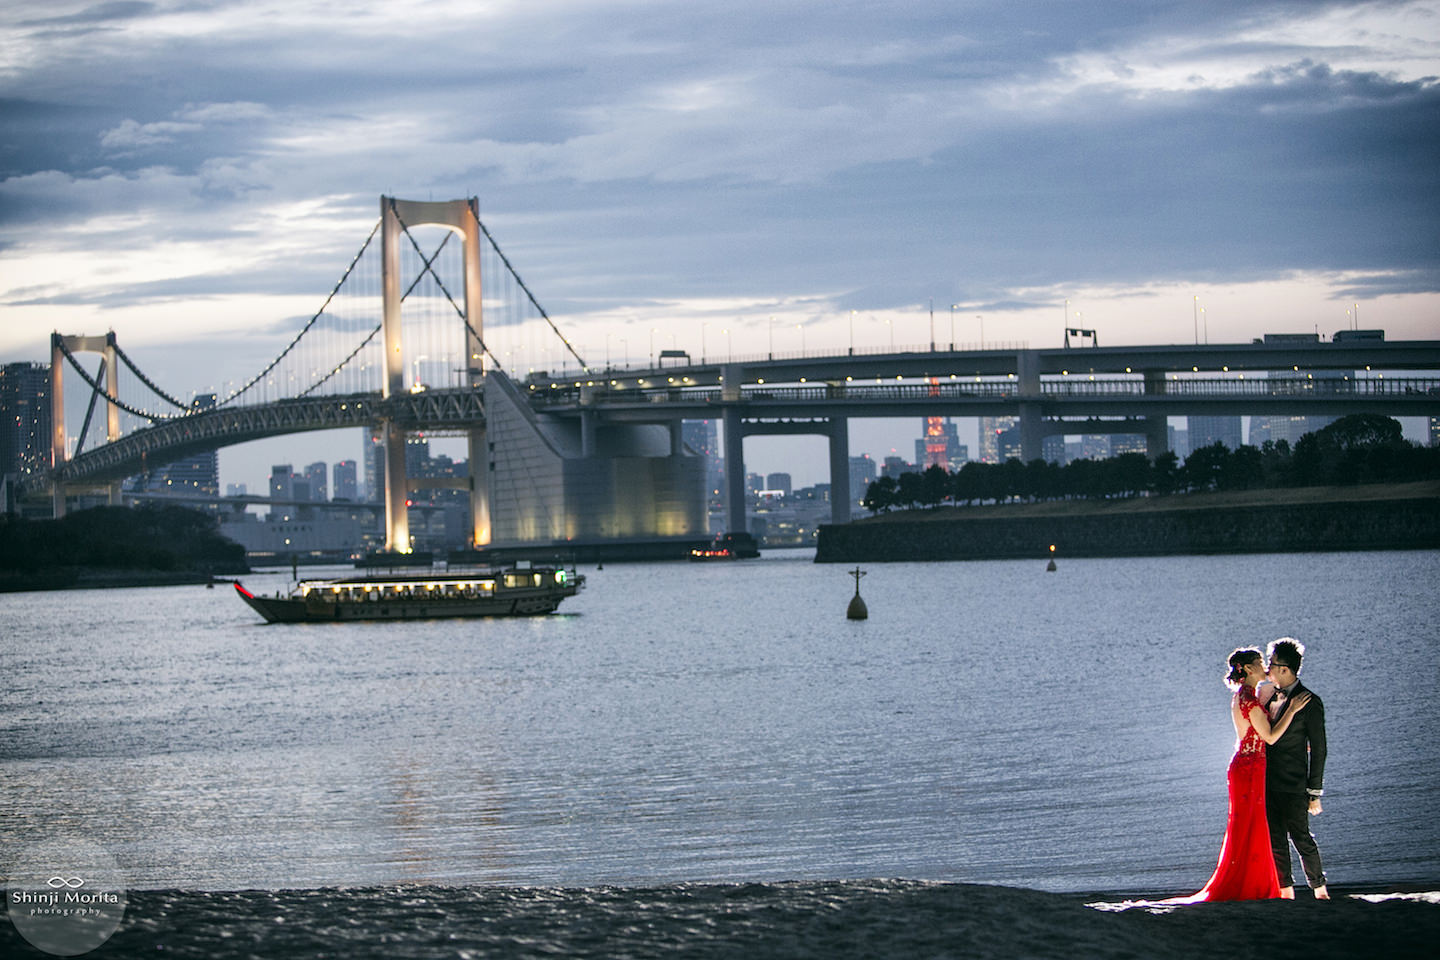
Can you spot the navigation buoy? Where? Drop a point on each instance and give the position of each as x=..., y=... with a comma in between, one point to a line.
x=1050, y=567
x=856, y=610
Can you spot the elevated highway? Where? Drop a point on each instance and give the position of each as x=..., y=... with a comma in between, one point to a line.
x=1131, y=389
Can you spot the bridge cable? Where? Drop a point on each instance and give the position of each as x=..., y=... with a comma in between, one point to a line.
x=378, y=327
x=146, y=380
x=89, y=412
x=506, y=260
x=427, y=268
x=134, y=411
x=310, y=323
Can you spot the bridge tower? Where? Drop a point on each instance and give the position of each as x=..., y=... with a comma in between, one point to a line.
x=59, y=440
x=462, y=217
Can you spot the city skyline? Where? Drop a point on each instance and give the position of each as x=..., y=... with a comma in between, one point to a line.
x=726, y=180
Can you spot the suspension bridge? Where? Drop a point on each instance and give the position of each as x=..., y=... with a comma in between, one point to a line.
x=597, y=455
x=393, y=348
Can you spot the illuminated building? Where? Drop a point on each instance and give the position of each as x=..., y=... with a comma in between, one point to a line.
x=583, y=481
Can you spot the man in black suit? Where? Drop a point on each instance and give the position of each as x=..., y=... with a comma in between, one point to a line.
x=1294, y=772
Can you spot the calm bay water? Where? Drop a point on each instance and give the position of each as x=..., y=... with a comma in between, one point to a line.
x=989, y=723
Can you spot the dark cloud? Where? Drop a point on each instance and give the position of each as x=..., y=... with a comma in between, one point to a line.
x=99, y=13
x=842, y=149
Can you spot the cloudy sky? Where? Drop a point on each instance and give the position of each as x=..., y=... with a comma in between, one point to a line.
x=195, y=175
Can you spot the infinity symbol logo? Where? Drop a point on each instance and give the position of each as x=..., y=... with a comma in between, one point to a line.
x=65, y=882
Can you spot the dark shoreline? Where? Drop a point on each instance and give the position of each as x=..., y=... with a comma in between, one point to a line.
x=819, y=918
x=1153, y=527
x=50, y=580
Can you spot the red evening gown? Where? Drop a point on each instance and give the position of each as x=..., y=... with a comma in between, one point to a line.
x=1247, y=867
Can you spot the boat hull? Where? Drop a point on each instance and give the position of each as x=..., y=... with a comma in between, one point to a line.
x=513, y=602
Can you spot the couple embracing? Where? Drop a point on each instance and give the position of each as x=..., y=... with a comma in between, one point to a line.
x=1276, y=778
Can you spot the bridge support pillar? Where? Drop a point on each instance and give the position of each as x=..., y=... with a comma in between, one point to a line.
x=1157, y=436
x=1032, y=432
x=397, y=490
x=734, y=471
x=479, y=453
x=459, y=216
x=1157, y=428
x=587, y=433
x=840, y=496
x=59, y=442
x=1032, y=426
x=677, y=438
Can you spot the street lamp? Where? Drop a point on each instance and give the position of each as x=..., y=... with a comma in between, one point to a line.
x=703, y=325
x=653, y=331
x=982, y=330
x=801, y=328
x=852, y=333
x=953, y=308
x=772, y=336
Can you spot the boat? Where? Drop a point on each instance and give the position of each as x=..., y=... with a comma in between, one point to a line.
x=727, y=546
x=519, y=590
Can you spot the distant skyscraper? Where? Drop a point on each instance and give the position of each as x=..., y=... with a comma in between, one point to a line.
x=939, y=444
x=374, y=464
x=1053, y=449
x=315, y=476
x=24, y=418
x=1127, y=443
x=1095, y=446
x=282, y=482
x=990, y=430
x=1435, y=431
x=778, y=481
x=1180, y=442
x=197, y=474
x=894, y=466
x=345, y=481
x=701, y=437
x=1007, y=445
x=417, y=455
x=862, y=474
x=1207, y=431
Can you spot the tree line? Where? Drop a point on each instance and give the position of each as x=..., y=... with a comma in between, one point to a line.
x=1360, y=448
x=166, y=538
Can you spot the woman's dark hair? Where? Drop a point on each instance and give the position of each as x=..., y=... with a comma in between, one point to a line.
x=1237, y=661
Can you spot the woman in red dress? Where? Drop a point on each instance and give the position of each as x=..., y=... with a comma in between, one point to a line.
x=1247, y=867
